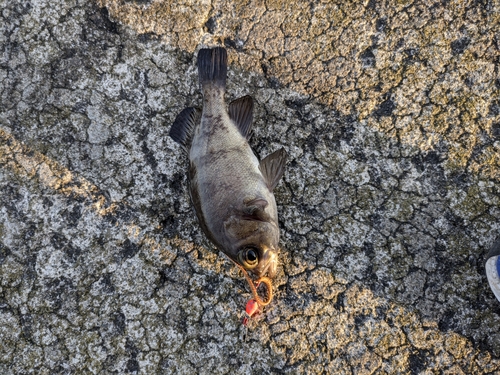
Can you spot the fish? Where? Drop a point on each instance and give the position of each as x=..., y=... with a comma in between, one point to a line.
x=230, y=189
x=492, y=266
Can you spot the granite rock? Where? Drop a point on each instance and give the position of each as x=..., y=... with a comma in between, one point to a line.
x=390, y=114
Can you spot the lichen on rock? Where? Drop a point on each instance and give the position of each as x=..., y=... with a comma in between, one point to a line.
x=390, y=114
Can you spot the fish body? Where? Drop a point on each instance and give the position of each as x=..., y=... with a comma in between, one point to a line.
x=231, y=190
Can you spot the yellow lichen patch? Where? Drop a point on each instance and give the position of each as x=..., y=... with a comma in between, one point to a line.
x=181, y=22
x=26, y=162
x=457, y=345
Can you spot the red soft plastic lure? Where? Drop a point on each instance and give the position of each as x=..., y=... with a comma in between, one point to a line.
x=251, y=309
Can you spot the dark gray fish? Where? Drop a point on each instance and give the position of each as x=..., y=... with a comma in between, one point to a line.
x=231, y=190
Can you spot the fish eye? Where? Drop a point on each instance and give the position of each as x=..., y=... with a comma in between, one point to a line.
x=249, y=257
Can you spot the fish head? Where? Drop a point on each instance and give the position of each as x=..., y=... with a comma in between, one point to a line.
x=253, y=244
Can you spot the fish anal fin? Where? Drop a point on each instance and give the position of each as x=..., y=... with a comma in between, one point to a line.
x=241, y=112
x=273, y=166
x=182, y=129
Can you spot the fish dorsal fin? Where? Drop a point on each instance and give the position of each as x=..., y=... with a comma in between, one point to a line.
x=241, y=112
x=255, y=209
x=273, y=166
x=183, y=127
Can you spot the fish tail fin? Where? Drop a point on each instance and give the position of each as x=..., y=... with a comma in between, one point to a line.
x=212, y=66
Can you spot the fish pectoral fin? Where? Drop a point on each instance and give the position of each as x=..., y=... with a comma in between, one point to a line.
x=255, y=209
x=273, y=166
x=182, y=129
x=256, y=202
x=241, y=112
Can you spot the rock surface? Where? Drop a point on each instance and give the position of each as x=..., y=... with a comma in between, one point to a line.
x=390, y=112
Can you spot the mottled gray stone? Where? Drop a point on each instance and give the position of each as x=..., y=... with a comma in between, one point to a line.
x=389, y=112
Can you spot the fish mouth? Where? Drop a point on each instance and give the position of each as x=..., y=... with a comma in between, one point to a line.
x=268, y=264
